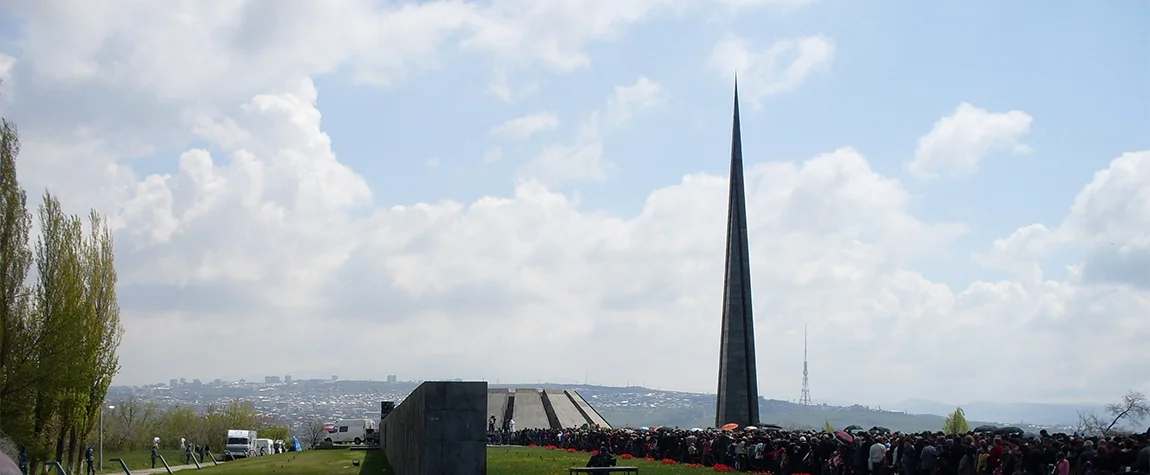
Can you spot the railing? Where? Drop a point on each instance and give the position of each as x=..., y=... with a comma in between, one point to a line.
x=59, y=467
x=124, y=465
x=165, y=462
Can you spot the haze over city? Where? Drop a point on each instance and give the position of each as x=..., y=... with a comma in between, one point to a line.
x=953, y=199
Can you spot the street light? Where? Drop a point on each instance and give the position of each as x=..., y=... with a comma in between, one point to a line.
x=102, y=436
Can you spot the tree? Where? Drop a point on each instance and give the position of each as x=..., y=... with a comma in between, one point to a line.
x=956, y=423
x=827, y=427
x=314, y=429
x=15, y=261
x=1130, y=410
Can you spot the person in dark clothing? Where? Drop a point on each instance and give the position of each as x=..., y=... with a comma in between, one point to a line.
x=23, y=460
x=90, y=458
x=602, y=458
x=1142, y=461
x=155, y=455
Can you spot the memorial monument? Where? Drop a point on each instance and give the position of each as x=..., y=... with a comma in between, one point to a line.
x=738, y=398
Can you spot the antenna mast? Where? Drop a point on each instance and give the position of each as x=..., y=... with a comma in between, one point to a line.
x=805, y=398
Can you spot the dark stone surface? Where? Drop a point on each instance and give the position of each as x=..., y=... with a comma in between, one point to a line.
x=440, y=429
x=738, y=398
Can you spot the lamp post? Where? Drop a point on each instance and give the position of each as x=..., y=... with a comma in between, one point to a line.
x=102, y=436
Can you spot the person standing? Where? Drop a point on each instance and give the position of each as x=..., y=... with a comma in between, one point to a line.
x=23, y=460
x=90, y=457
x=155, y=454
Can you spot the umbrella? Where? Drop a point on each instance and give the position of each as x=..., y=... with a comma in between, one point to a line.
x=696, y=429
x=750, y=428
x=985, y=428
x=1008, y=431
x=730, y=426
x=771, y=426
x=844, y=437
x=1029, y=435
x=882, y=429
x=852, y=428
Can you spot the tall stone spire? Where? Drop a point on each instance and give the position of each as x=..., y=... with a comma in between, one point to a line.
x=738, y=377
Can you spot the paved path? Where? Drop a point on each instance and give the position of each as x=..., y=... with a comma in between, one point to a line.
x=175, y=468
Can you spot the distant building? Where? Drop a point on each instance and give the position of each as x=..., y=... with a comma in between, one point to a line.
x=391, y=378
x=173, y=382
x=287, y=379
x=197, y=382
x=218, y=382
x=271, y=379
x=334, y=377
x=183, y=381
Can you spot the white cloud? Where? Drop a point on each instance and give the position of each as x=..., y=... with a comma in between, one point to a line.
x=6, y=64
x=579, y=160
x=627, y=99
x=782, y=67
x=492, y=155
x=957, y=143
x=785, y=4
x=522, y=128
x=265, y=230
x=582, y=158
x=502, y=88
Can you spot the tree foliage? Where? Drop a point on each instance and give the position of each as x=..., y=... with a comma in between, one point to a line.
x=60, y=329
x=827, y=427
x=133, y=424
x=1117, y=416
x=956, y=423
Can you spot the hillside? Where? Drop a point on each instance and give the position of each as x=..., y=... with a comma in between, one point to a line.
x=637, y=406
x=1018, y=412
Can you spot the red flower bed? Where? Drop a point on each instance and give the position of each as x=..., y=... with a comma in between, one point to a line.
x=670, y=462
x=594, y=453
x=571, y=451
x=550, y=447
x=723, y=468
x=626, y=456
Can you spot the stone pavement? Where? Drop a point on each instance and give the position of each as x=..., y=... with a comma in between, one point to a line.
x=175, y=468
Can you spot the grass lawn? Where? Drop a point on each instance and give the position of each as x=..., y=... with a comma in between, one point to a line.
x=500, y=461
x=541, y=461
x=311, y=462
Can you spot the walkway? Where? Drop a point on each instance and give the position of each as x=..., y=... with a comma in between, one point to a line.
x=175, y=468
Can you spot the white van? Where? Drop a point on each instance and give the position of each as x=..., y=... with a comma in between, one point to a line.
x=265, y=446
x=353, y=431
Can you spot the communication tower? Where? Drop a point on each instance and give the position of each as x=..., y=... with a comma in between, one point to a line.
x=805, y=398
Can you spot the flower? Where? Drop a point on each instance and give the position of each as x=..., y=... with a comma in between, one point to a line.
x=668, y=461
x=723, y=468
x=626, y=456
x=571, y=451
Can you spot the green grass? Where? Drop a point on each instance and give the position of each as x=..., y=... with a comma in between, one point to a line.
x=500, y=461
x=541, y=461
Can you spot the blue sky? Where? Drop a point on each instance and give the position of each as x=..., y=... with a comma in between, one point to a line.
x=1079, y=70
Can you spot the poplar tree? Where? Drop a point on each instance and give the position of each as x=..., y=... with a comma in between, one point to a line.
x=15, y=262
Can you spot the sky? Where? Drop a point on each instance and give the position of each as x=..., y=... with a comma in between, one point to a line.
x=952, y=197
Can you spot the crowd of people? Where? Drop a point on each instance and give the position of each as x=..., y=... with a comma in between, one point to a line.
x=878, y=451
